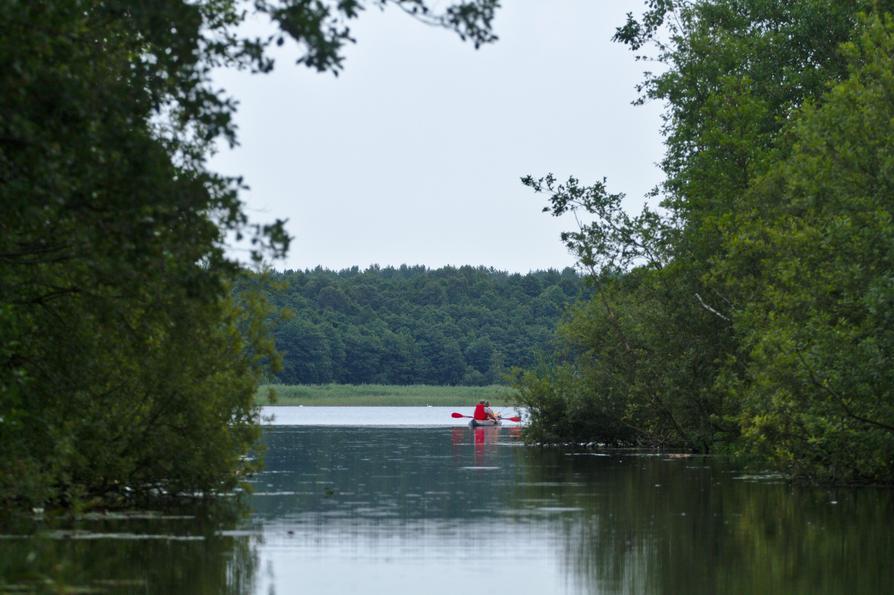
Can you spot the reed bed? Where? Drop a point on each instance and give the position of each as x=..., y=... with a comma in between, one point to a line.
x=384, y=395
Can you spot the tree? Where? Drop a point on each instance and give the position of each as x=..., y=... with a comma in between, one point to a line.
x=509, y=325
x=306, y=353
x=745, y=312
x=478, y=354
x=125, y=362
x=399, y=357
x=812, y=255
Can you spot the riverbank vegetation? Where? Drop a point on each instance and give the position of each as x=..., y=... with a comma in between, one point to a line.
x=125, y=365
x=751, y=310
x=414, y=325
x=382, y=395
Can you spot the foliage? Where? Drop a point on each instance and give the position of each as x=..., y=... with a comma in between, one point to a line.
x=631, y=369
x=750, y=311
x=124, y=362
x=413, y=325
x=816, y=266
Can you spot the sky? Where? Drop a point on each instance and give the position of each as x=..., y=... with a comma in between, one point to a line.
x=413, y=154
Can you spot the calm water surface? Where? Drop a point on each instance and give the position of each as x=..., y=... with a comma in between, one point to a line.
x=380, y=508
x=417, y=417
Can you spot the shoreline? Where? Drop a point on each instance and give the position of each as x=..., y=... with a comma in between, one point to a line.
x=383, y=395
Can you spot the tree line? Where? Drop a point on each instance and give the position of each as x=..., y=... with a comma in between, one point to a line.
x=415, y=325
x=750, y=309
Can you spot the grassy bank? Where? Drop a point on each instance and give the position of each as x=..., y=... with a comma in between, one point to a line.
x=385, y=395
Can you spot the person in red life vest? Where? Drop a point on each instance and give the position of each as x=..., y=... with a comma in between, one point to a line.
x=480, y=414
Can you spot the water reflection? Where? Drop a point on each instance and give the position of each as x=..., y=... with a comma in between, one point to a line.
x=461, y=503
x=195, y=549
x=439, y=510
x=671, y=524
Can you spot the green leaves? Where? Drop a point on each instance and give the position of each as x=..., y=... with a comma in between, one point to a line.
x=413, y=325
x=608, y=240
x=320, y=27
x=817, y=341
x=125, y=365
x=766, y=329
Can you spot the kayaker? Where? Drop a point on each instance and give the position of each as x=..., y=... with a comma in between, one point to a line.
x=480, y=413
x=488, y=412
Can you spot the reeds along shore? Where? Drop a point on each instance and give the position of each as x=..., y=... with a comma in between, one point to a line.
x=384, y=395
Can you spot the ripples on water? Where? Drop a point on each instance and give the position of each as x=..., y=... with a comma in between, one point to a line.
x=446, y=509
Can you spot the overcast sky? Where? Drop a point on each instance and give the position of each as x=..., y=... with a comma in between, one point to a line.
x=414, y=153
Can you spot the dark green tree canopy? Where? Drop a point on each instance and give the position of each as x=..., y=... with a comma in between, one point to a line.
x=124, y=362
x=414, y=325
x=744, y=312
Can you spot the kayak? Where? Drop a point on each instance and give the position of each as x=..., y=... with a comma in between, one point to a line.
x=475, y=423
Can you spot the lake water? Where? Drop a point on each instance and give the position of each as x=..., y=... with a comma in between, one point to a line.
x=418, y=417
x=380, y=508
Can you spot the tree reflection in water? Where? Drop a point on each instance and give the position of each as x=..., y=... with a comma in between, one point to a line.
x=378, y=504
x=190, y=549
x=668, y=524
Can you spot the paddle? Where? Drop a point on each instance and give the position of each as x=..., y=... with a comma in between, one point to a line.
x=515, y=419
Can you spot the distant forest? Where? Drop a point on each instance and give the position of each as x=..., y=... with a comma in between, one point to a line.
x=415, y=325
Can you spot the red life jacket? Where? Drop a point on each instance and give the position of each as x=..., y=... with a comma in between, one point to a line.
x=479, y=414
